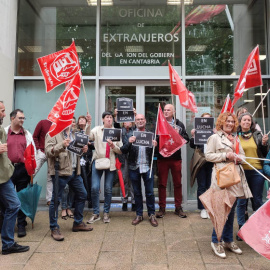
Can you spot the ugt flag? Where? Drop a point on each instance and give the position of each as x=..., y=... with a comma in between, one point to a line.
x=250, y=75
x=169, y=140
x=256, y=231
x=59, y=67
x=62, y=113
x=227, y=106
x=186, y=98
x=29, y=159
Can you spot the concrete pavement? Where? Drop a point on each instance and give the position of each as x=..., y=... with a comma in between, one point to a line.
x=175, y=244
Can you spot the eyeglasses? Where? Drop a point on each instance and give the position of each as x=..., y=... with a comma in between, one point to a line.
x=22, y=118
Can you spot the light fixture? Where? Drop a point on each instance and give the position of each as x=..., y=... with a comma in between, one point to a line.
x=178, y=2
x=103, y=2
x=248, y=100
x=262, y=57
x=33, y=49
x=20, y=50
x=197, y=48
x=78, y=48
x=233, y=74
x=258, y=94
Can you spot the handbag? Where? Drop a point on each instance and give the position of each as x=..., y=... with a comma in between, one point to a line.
x=227, y=176
x=102, y=163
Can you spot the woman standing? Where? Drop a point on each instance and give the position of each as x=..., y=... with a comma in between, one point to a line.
x=204, y=174
x=255, y=145
x=103, y=150
x=220, y=150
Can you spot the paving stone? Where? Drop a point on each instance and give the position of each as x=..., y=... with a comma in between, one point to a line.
x=185, y=260
x=150, y=267
x=114, y=260
x=253, y=260
x=156, y=256
x=216, y=266
x=114, y=241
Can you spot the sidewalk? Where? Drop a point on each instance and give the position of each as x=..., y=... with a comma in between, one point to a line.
x=175, y=244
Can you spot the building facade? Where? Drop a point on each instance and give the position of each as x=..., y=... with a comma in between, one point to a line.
x=124, y=47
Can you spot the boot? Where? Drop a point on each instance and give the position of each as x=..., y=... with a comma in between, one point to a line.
x=237, y=237
x=179, y=212
x=161, y=212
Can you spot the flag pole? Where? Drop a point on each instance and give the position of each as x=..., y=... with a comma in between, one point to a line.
x=262, y=111
x=260, y=103
x=174, y=114
x=151, y=167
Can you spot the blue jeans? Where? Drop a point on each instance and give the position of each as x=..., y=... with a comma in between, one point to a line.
x=76, y=183
x=227, y=234
x=95, y=187
x=256, y=184
x=135, y=177
x=10, y=205
x=203, y=181
x=67, y=198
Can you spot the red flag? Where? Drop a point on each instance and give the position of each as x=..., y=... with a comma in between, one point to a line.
x=227, y=107
x=169, y=140
x=29, y=159
x=250, y=75
x=186, y=98
x=256, y=231
x=59, y=67
x=62, y=113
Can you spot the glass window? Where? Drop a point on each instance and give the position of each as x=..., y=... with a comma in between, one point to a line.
x=45, y=27
x=219, y=38
x=140, y=33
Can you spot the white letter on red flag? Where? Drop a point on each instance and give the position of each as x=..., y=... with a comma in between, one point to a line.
x=59, y=67
x=169, y=140
x=62, y=113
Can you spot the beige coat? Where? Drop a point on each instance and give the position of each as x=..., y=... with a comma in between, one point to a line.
x=96, y=135
x=217, y=148
x=64, y=156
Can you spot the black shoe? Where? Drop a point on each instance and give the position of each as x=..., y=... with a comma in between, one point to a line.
x=133, y=207
x=21, y=232
x=15, y=249
x=124, y=207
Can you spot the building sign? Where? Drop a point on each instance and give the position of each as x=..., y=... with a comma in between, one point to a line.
x=144, y=36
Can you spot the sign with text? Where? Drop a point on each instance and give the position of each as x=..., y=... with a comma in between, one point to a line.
x=143, y=138
x=81, y=139
x=203, y=129
x=124, y=110
x=113, y=134
x=77, y=150
x=125, y=116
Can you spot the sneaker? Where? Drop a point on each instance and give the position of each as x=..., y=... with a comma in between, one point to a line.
x=233, y=247
x=124, y=207
x=93, y=219
x=15, y=248
x=218, y=250
x=161, y=212
x=56, y=235
x=106, y=218
x=203, y=214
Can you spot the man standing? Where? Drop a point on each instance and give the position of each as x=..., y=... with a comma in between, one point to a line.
x=10, y=203
x=18, y=139
x=173, y=163
x=139, y=160
x=40, y=132
x=69, y=173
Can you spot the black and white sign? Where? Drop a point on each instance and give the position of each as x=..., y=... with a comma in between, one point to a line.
x=201, y=136
x=77, y=150
x=143, y=138
x=113, y=134
x=81, y=139
x=204, y=123
x=125, y=116
x=124, y=104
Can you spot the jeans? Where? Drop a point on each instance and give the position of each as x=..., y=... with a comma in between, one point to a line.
x=164, y=165
x=10, y=206
x=256, y=184
x=227, y=234
x=135, y=177
x=76, y=183
x=203, y=181
x=67, y=198
x=20, y=179
x=108, y=183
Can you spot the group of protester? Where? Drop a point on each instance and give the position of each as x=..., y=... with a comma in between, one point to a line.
x=81, y=175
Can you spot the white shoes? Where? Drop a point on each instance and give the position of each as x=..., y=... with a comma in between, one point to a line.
x=218, y=250
x=204, y=214
x=233, y=247
x=93, y=219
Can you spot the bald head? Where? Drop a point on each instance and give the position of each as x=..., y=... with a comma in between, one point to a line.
x=140, y=122
x=169, y=112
